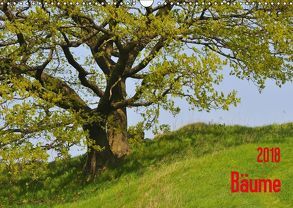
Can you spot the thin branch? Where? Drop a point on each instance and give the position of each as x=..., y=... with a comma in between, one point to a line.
x=82, y=72
x=146, y=60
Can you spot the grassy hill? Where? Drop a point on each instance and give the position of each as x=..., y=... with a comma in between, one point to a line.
x=186, y=168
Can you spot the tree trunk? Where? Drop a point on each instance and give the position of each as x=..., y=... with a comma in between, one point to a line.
x=109, y=134
x=117, y=123
x=117, y=133
x=98, y=159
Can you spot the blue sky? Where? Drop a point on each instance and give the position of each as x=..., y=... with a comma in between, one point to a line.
x=272, y=105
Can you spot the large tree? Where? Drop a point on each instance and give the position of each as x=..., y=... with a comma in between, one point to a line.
x=69, y=70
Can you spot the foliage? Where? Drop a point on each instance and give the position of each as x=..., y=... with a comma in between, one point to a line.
x=67, y=65
x=136, y=133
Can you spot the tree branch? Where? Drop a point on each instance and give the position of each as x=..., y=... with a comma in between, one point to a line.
x=146, y=60
x=82, y=73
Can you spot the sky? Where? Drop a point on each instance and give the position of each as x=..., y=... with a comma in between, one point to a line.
x=272, y=106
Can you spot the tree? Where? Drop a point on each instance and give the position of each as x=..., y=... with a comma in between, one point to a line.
x=54, y=97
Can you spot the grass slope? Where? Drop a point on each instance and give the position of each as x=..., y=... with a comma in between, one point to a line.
x=186, y=168
x=199, y=182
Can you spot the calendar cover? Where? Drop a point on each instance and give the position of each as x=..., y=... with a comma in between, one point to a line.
x=146, y=103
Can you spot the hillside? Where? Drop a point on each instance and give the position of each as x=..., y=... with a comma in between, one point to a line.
x=186, y=168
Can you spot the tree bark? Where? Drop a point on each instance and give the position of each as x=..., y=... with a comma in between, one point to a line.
x=110, y=134
x=98, y=159
x=117, y=123
x=117, y=133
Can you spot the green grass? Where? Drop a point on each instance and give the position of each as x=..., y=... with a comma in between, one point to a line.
x=198, y=182
x=186, y=168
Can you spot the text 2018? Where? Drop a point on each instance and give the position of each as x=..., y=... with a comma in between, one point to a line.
x=266, y=154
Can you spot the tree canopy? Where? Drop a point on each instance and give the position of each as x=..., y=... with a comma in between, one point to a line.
x=69, y=70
